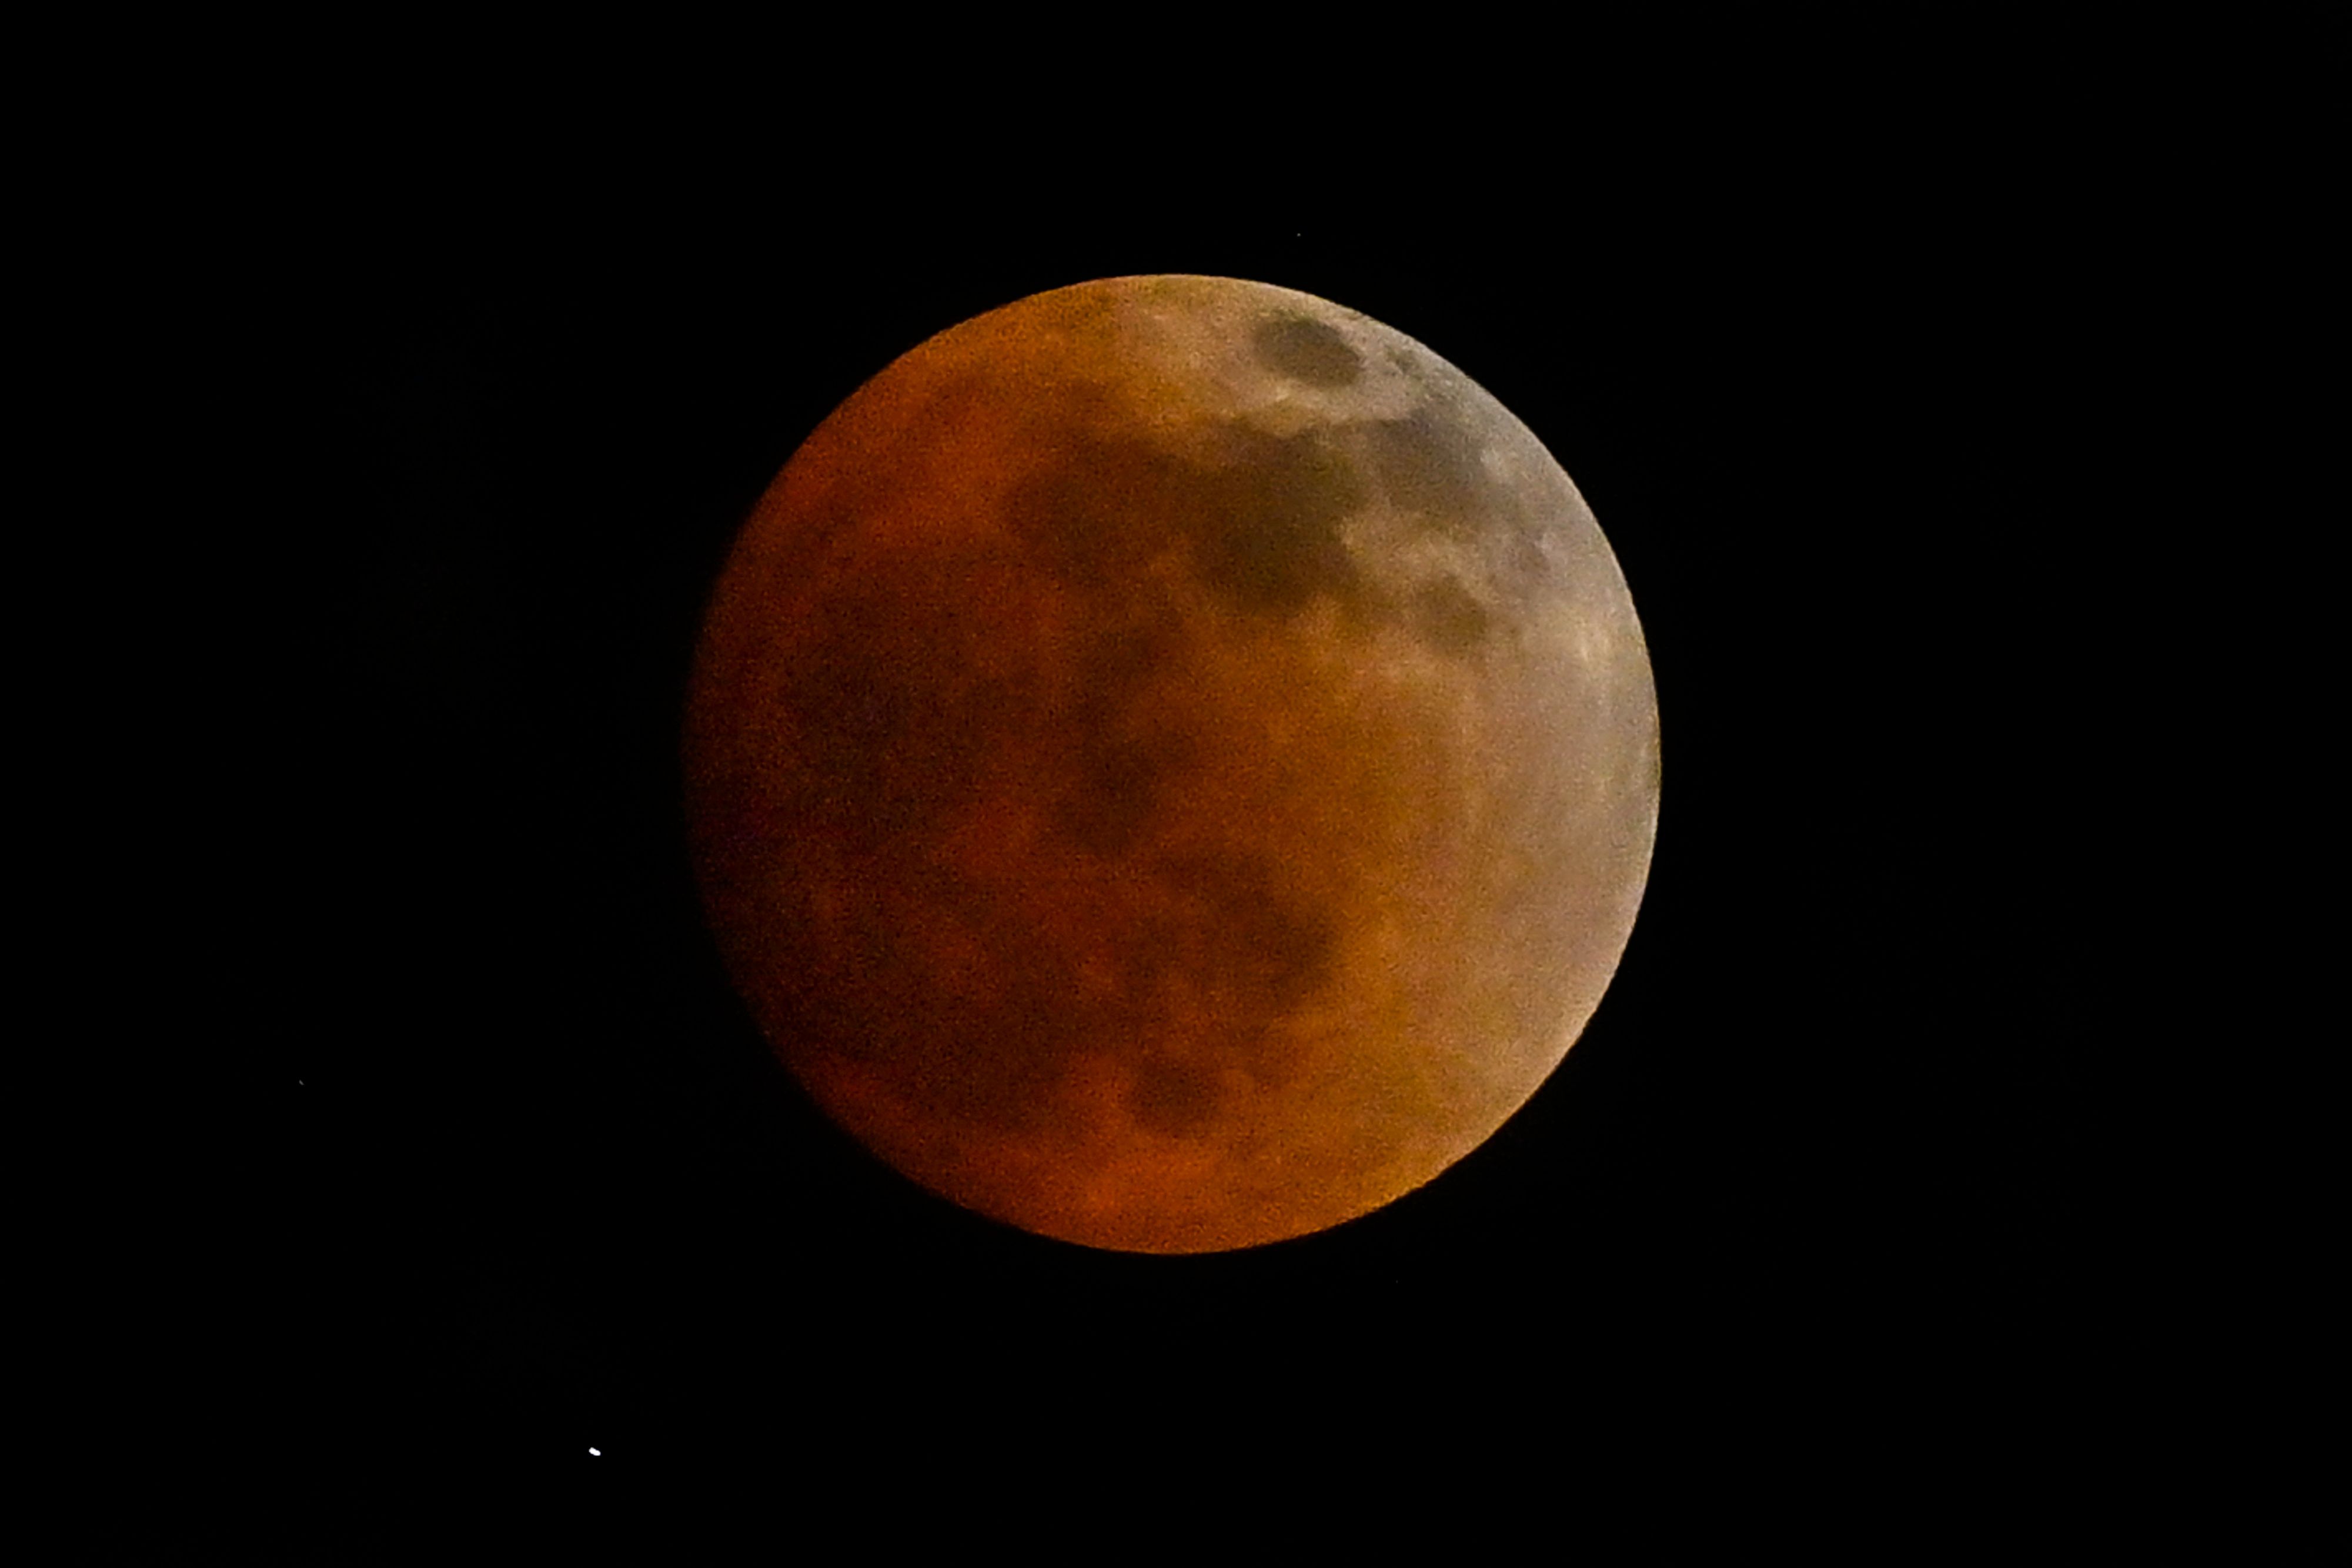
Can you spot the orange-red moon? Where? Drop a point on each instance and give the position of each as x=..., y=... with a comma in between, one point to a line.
x=1172, y=764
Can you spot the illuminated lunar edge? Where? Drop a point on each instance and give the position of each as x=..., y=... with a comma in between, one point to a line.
x=1172, y=764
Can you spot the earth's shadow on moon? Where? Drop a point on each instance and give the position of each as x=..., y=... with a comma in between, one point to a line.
x=1172, y=764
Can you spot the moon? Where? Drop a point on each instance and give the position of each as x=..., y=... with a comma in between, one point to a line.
x=1171, y=764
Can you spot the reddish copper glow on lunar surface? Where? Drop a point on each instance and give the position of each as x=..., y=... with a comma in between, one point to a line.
x=1172, y=764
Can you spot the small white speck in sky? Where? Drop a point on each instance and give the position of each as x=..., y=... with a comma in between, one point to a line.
x=598, y=1455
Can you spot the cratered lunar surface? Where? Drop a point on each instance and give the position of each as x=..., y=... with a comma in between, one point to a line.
x=1172, y=764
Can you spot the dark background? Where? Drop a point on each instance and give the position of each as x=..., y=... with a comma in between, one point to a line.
x=520, y=1176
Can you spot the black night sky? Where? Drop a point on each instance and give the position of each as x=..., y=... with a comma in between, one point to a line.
x=520, y=1179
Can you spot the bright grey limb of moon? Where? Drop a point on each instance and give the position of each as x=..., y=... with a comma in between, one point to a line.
x=1173, y=764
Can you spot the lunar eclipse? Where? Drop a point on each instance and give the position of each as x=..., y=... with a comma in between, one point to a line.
x=1171, y=764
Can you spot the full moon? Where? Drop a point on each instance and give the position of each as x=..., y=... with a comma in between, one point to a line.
x=1171, y=764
